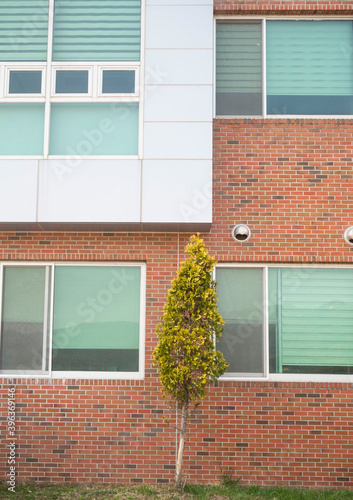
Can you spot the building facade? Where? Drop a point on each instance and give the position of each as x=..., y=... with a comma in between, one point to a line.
x=127, y=126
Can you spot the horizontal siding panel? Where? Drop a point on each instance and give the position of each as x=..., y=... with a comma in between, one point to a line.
x=316, y=317
x=238, y=57
x=95, y=30
x=309, y=58
x=23, y=30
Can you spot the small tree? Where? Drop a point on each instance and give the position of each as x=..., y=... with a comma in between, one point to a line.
x=185, y=356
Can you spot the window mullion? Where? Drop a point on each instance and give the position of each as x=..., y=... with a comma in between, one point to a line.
x=50, y=316
x=264, y=71
x=266, y=326
x=48, y=78
x=45, y=320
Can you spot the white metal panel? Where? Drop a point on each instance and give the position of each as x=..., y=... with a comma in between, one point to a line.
x=80, y=190
x=178, y=103
x=180, y=140
x=18, y=190
x=177, y=191
x=179, y=67
x=179, y=27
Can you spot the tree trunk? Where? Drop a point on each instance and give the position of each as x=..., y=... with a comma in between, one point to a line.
x=184, y=420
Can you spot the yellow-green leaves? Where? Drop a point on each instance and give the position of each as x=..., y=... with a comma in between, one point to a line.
x=185, y=356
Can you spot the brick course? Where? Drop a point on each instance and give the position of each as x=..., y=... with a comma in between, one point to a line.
x=287, y=7
x=291, y=181
x=263, y=432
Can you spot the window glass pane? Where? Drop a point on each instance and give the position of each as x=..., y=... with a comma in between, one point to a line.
x=96, y=318
x=99, y=30
x=71, y=82
x=309, y=67
x=311, y=312
x=22, y=323
x=25, y=82
x=118, y=82
x=241, y=306
x=238, y=69
x=23, y=30
x=21, y=129
x=94, y=129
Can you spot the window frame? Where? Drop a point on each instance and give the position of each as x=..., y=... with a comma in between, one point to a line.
x=263, y=19
x=280, y=377
x=48, y=95
x=49, y=313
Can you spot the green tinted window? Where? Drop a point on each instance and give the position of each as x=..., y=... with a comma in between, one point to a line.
x=96, y=318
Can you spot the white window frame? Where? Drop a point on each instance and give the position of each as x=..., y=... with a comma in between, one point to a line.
x=281, y=377
x=129, y=96
x=263, y=20
x=48, y=314
x=49, y=96
x=5, y=82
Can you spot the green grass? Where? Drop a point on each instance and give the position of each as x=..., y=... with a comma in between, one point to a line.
x=229, y=489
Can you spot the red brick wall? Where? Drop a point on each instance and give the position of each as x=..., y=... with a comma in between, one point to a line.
x=291, y=181
x=262, y=432
x=287, y=7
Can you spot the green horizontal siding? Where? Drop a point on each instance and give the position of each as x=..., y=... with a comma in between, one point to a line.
x=316, y=309
x=309, y=58
x=23, y=30
x=97, y=30
x=238, y=57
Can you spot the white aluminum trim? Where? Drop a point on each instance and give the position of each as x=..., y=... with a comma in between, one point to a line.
x=88, y=68
x=45, y=320
x=264, y=68
x=25, y=97
x=266, y=340
x=141, y=88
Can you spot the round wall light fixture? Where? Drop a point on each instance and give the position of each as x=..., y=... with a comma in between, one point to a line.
x=241, y=233
x=348, y=235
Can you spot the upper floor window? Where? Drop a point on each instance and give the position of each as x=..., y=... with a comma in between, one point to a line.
x=284, y=67
x=69, y=70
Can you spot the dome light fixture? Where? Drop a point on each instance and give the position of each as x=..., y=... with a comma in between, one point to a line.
x=241, y=233
x=348, y=235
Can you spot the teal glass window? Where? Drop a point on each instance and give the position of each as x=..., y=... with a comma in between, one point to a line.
x=25, y=82
x=23, y=30
x=56, y=107
x=309, y=67
x=24, y=326
x=98, y=30
x=311, y=318
x=71, y=82
x=238, y=69
x=21, y=128
x=94, y=129
x=96, y=319
x=240, y=297
x=309, y=315
x=118, y=82
x=83, y=318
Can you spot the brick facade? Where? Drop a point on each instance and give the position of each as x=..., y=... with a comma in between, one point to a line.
x=291, y=182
